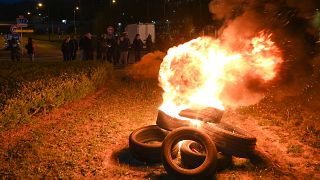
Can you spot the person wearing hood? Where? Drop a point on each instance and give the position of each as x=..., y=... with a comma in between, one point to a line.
x=137, y=46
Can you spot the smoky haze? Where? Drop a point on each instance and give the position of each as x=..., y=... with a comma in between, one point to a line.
x=290, y=22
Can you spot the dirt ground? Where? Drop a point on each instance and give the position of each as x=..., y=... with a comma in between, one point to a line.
x=88, y=139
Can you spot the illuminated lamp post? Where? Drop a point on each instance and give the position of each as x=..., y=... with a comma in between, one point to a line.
x=74, y=19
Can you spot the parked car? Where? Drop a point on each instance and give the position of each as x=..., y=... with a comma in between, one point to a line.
x=7, y=37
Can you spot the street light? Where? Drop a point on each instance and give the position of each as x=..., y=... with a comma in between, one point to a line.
x=77, y=8
x=40, y=5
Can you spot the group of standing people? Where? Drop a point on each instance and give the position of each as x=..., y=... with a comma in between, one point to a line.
x=69, y=48
x=114, y=49
x=108, y=47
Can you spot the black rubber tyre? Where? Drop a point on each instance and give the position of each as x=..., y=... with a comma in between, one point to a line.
x=230, y=140
x=145, y=143
x=208, y=114
x=205, y=170
x=192, y=156
x=169, y=123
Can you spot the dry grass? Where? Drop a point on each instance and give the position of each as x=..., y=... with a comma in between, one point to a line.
x=76, y=143
x=27, y=89
x=83, y=139
x=295, y=149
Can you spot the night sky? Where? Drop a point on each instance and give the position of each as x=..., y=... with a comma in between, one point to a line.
x=100, y=13
x=10, y=1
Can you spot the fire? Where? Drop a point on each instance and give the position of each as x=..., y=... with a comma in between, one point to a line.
x=197, y=73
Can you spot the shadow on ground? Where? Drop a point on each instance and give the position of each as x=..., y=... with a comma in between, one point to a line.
x=257, y=162
x=125, y=157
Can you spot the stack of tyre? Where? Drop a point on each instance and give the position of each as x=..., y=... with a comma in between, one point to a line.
x=191, y=152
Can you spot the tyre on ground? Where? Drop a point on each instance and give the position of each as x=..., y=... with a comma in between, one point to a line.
x=193, y=155
x=204, y=170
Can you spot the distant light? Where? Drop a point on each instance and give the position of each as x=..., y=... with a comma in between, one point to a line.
x=40, y=14
x=119, y=24
x=77, y=8
x=123, y=14
x=167, y=20
x=40, y=4
x=64, y=21
x=28, y=13
x=114, y=1
x=153, y=22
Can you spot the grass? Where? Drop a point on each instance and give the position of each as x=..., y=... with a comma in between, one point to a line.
x=120, y=171
x=83, y=139
x=295, y=149
x=75, y=146
x=290, y=113
x=27, y=89
x=80, y=144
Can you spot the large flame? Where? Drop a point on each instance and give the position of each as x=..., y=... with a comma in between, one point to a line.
x=201, y=72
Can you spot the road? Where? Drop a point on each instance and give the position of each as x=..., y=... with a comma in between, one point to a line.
x=45, y=51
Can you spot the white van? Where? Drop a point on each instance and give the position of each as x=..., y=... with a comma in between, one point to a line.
x=143, y=29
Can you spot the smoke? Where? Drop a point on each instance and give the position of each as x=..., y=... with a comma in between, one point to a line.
x=148, y=67
x=290, y=22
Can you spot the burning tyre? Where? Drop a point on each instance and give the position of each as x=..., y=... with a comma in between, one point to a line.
x=209, y=72
x=145, y=143
x=205, y=169
x=193, y=155
x=230, y=140
x=167, y=122
x=208, y=114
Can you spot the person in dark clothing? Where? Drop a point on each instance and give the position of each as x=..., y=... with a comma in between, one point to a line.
x=99, y=48
x=149, y=43
x=111, y=43
x=81, y=48
x=66, y=49
x=137, y=46
x=88, y=47
x=124, y=49
x=73, y=47
x=30, y=49
x=116, y=50
x=15, y=49
x=102, y=47
x=99, y=52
